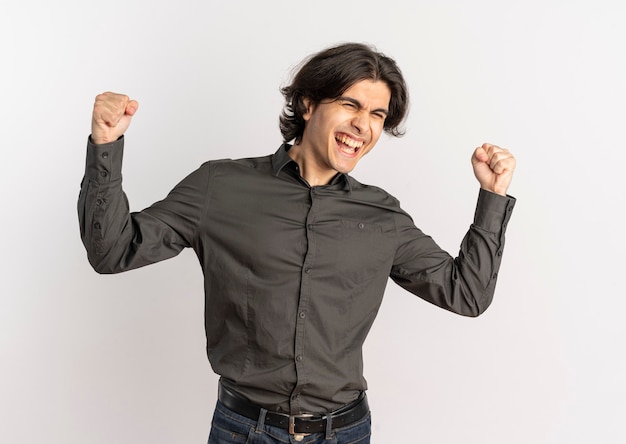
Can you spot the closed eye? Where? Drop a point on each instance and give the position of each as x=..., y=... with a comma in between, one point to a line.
x=354, y=104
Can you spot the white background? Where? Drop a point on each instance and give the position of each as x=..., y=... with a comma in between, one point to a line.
x=96, y=359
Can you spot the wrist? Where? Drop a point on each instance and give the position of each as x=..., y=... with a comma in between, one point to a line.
x=95, y=140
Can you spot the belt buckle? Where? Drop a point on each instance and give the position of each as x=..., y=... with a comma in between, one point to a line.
x=292, y=423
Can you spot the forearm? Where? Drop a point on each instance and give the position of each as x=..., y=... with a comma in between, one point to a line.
x=480, y=255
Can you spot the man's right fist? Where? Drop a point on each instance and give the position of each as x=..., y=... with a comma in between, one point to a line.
x=112, y=114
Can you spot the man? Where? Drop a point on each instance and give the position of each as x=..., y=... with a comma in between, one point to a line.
x=295, y=252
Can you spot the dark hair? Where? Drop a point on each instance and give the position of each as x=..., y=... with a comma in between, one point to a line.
x=329, y=73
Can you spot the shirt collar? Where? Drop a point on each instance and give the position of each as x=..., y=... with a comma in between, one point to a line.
x=281, y=159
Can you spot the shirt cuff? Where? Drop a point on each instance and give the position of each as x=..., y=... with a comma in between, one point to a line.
x=493, y=211
x=104, y=162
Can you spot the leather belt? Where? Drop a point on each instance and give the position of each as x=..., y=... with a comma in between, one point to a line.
x=296, y=424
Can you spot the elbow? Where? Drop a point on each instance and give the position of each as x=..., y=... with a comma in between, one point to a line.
x=102, y=265
x=475, y=313
x=478, y=308
x=103, y=258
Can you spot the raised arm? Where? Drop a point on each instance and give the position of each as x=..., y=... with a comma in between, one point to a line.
x=116, y=239
x=464, y=284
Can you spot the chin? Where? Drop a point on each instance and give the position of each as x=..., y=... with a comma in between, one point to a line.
x=345, y=169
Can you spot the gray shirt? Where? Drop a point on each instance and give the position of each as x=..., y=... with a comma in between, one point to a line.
x=293, y=275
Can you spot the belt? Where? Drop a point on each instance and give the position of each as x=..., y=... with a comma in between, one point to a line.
x=296, y=424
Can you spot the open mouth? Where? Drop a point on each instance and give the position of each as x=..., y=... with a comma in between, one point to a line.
x=348, y=145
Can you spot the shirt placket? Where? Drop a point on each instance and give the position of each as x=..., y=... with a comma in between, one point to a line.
x=306, y=284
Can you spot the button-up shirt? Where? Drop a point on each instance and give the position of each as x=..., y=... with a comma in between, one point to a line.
x=293, y=275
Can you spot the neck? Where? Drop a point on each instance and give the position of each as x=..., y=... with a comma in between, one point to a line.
x=309, y=166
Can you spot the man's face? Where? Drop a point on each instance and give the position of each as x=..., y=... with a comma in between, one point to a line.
x=338, y=133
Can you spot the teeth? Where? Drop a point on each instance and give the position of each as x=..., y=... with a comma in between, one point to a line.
x=351, y=143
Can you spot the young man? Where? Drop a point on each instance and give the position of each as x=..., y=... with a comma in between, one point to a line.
x=295, y=252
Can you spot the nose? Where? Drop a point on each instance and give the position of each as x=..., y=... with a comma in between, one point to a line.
x=361, y=122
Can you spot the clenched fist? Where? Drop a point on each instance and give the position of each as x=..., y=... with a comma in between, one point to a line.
x=493, y=168
x=112, y=114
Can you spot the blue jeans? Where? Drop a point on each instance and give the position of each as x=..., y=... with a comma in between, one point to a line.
x=229, y=427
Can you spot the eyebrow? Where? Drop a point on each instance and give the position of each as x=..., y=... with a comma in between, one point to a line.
x=356, y=103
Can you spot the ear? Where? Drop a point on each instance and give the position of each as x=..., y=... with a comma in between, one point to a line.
x=308, y=105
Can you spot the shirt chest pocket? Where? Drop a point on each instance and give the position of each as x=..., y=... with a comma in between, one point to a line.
x=359, y=251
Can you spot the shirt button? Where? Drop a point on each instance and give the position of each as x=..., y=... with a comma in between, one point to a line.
x=98, y=202
x=310, y=226
x=499, y=253
x=307, y=270
x=302, y=315
x=96, y=226
x=495, y=275
x=105, y=155
x=361, y=226
x=299, y=358
x=103, y=173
